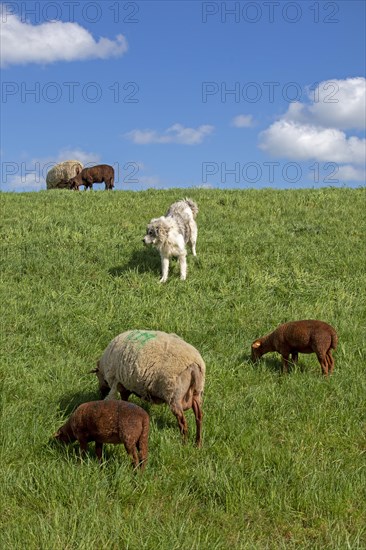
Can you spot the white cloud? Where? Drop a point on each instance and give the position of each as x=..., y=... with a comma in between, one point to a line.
x=350, y=173
x=174, y=134
x=315, y=131
x=242, y=121
x=333, y=104
x=23, y=183
x=86, y=158
x=288, y=139
x=150, y=181
x=49, y=42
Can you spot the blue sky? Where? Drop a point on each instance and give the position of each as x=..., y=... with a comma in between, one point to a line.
x=182, y=94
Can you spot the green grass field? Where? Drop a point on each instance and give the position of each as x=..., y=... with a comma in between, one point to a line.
x=283, y=463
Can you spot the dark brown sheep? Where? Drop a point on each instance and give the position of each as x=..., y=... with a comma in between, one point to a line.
x=109, y=422
x=299, y=337
x=95, y=174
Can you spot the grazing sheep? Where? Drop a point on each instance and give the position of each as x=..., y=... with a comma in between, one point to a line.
x=95, y=174
x=158, y=367
x=109, y=422
x=60, y=174
x=299, y=337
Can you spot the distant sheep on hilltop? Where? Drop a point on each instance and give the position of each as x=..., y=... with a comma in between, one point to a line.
x=96, y=174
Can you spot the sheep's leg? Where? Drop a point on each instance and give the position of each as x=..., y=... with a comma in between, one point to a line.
x=104, y=391
x=198, y=416
x=164, y=269
x=182, y=423
x=295, y=357
x=183, y=266
x=113, y=392
x=285, y=362
x=99, y=450
x=125, y=394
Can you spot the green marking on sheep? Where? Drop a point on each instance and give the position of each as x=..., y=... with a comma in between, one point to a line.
x=140, y=337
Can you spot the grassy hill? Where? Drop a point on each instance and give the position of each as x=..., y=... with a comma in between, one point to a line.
x=283, y=457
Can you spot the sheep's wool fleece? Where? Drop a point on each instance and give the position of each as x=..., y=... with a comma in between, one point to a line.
x=62, y=172
x=148, y=362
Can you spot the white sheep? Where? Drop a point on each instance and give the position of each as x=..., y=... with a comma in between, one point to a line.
x=158, y=367
x=59, y=175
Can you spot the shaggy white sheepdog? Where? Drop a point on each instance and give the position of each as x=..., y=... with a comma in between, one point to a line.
x=171, y=233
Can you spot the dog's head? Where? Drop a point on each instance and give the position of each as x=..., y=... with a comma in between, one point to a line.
x=155, y=231
x=152, y=234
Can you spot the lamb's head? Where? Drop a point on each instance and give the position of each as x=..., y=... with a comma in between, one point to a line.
x=257, y=350
x=65, y=434
x=73, y=183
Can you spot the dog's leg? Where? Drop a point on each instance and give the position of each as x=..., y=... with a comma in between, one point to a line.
x=183, y=266
x=193, y=238
x=164, y=269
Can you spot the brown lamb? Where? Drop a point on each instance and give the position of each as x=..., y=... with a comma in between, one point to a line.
x=109, y=422
x=299, y=337
x=95, y=174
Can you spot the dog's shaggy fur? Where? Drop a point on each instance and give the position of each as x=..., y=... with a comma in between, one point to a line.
x=171, y=233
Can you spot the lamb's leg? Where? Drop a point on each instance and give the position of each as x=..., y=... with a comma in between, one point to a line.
x=198, y=416
x=322, y=358
x=99, y=450
x=183, y=266
x=132, y=451
x=142, y=445
x=330, y=361
x=83, y=448
x=285, y=357
x=164, y=269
